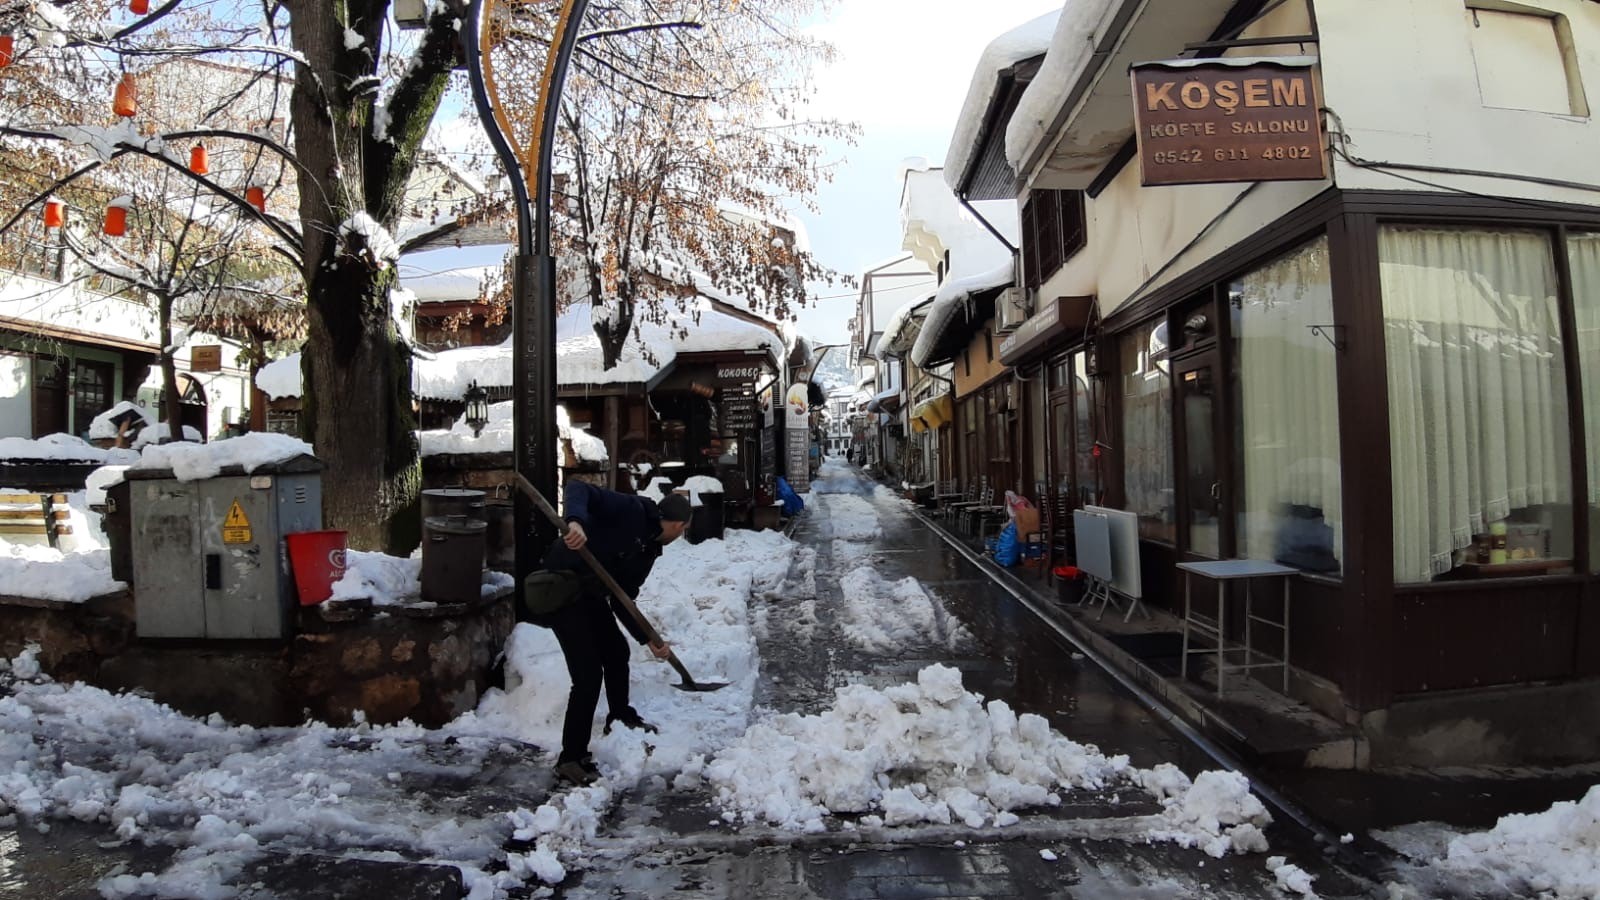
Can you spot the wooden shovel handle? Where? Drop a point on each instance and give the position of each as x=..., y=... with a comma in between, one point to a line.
x=605, y=577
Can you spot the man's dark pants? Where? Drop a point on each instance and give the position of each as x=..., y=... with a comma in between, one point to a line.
x=595, y=650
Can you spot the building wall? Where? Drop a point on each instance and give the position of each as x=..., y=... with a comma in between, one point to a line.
x=1136, y=234
x=977, y=365
x=1409, y=92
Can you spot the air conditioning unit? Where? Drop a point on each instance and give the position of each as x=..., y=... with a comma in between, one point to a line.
x=1010, y=310
x=411, y=13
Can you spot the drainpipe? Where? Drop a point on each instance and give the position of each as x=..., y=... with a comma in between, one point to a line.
x=962, y=199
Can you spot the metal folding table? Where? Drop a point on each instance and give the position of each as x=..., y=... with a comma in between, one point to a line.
x=1222, y=572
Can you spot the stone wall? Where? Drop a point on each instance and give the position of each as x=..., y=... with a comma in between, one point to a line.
x=426, y=664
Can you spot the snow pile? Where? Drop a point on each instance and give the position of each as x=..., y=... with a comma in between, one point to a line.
x=1215, y=812
x=1030, y=39
x=155, y=434
x=1551, y=854
x=60, y=448
x=44, y=573
x=103, y=428
x=192, y=462
x=701, y=484
x=497, y=436
x=923, y=752
x=394, y=581
x=1072, y=51
x=879, y=616
x=280, y=378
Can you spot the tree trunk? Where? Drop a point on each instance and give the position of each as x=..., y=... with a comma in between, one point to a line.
x=171, y=400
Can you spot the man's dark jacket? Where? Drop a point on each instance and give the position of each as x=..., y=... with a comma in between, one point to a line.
x=623, y=532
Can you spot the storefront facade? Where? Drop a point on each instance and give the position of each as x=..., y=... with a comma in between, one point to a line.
x=1384, y=378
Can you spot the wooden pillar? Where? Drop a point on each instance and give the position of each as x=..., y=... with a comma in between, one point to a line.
x=1367, y=642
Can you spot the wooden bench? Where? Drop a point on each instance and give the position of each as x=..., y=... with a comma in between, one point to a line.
x=42, y=515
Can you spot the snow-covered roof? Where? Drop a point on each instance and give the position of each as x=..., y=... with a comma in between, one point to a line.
x=949, y=308
x=280, y=378
x=1071, y=51
x=497, y=434
x=60, y=448
x=1024, y=42
x=934, y=222
x=891, y=341
x=455, y=285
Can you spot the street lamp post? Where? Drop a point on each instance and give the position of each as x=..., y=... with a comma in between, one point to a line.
x=533, y=301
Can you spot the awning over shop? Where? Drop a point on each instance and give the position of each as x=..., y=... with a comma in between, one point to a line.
x=959, y=310
x=931, y=413
x=885, y=402
x=1059, y=321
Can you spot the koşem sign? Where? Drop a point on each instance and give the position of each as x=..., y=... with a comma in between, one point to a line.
x=1217, y=120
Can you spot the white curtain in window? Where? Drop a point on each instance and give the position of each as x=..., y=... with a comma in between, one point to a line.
x=1477, y=397
x=1289, y=416
x=1147, y=431
x=1585, y=256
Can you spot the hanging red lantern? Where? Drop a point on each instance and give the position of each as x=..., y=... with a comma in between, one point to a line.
x=199, y=162
x=139, y=7
x=256, y=197
x=116, y=224
x=126, y=102
x=8, y=49
x=55, y=213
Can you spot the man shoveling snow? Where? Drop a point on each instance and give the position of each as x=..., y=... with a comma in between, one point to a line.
x=629, y=532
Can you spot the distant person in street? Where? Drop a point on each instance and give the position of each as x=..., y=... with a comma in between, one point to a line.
x=625, y=533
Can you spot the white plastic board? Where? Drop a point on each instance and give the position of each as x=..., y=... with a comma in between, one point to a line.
x=1124, y=527
x=1092, y=535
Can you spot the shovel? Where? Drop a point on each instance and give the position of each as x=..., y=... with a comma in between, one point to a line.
x=689, y=684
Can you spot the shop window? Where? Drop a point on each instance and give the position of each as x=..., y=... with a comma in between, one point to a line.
x=1287, y=428
x=1147, y=430
x=1584, y=251
x=1053, y=230
x=1480, y=448
x=1525, y=59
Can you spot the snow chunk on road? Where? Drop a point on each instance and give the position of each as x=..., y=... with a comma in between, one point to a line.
x=1291, y=878
x=923, y=752
x=880, y=616
x=1554, y=854
x=192, y=462
x=1215, y=812
x=851, y=518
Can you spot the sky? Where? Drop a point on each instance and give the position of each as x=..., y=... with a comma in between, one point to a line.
x=902, y=72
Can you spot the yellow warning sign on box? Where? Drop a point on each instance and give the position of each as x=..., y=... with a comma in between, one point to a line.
x=236, y=527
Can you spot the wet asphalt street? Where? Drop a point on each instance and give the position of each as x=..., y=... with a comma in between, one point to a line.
x=1011, y=655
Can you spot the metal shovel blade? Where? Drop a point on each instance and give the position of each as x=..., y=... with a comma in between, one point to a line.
x=688, y=683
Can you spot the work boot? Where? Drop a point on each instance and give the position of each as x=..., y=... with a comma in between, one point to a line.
x=631, y=719
x=577, y=772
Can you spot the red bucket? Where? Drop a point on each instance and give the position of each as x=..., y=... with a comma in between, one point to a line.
x=317, y=558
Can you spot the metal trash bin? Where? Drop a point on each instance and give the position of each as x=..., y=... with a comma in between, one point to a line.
x=446, y=502
x=452, y=559
x=706, y=523
x=116, y=520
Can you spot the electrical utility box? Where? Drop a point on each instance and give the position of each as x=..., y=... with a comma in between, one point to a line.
x=208, y=556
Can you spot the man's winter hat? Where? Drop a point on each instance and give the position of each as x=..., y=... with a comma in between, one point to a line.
x=674, y=508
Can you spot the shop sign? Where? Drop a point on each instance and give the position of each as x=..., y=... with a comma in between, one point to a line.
x=205, y=358
x=739, y=374
x=1058, y=319
x=738, y=415
x=766, y=407
x=1208, y=121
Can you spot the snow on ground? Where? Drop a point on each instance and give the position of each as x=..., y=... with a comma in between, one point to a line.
x=879, y=615
x=394, y=581
x=78, y=570
x=1552, y=854
x=851, y=518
